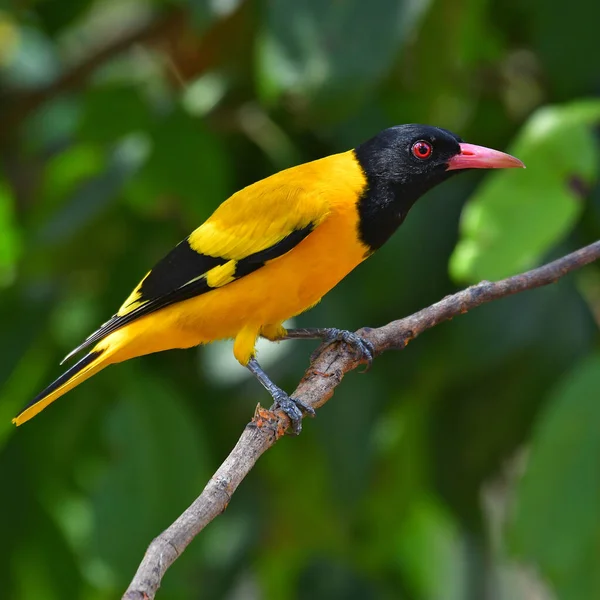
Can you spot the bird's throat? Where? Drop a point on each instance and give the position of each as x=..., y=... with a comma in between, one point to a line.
x=381, y=211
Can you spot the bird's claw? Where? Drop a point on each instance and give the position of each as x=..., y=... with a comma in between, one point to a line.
x=294, y=409
x=362, y=346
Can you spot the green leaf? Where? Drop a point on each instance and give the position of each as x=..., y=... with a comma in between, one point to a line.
x=186, y=162
x=577, y=28
x=517, y=216
x=326, y=52
x=430, y=541
x=67, y=170
x=113, y=111
x=57, y=16
x=158, y=467
x=45, y=567
x=51, y=124
x=82, y=183
x=204, y=14
x=65, y=174
x=10, y=244
x=557, y=521
x=31, y=60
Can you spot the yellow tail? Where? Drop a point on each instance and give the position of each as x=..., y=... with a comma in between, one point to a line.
x=89, y=365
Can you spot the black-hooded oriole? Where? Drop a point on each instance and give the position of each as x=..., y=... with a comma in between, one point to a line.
x=272, y=250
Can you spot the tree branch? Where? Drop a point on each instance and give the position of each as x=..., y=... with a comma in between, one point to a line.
x=318, y=384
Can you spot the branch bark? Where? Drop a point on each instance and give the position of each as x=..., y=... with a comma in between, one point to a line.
x=324, y=374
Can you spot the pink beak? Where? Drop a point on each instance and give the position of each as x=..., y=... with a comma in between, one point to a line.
x=479, y=157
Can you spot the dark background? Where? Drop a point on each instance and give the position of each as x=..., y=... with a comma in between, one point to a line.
x=466, y=466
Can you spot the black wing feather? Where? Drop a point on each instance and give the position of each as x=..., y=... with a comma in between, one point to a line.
x=174, y=279
x=176, y=269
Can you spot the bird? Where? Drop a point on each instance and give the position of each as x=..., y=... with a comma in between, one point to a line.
x=271, y=251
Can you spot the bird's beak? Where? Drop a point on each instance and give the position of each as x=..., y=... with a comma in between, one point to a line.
x=479, y=157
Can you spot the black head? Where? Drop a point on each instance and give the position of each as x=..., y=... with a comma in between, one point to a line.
x=409, y=155
x=402, y=163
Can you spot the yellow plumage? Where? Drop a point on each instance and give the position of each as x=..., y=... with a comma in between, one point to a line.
x=272, y=250
x=322, y=194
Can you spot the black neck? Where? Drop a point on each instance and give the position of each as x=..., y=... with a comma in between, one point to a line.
x=380, y=213
x=386, y=200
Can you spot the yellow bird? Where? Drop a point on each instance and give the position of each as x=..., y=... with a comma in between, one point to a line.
x=271, y=251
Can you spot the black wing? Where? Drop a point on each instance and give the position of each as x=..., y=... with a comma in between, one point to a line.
x=181, y=275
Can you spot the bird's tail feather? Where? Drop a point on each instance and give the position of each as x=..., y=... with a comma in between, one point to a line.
x=89, y=365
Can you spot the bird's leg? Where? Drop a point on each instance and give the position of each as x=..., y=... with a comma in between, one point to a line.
x=329, y=335
x=292, y=407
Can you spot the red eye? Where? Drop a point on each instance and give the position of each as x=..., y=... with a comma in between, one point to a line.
x=422, y=150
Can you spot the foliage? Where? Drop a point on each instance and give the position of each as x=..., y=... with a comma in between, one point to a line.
x=465, y=466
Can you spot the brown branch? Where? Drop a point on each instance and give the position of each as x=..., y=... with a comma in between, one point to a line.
x=317, y=386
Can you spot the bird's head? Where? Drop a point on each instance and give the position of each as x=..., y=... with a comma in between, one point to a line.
x=402, y=163
x=421, y=155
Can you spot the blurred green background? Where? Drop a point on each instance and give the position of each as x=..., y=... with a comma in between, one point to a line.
x=466, y=467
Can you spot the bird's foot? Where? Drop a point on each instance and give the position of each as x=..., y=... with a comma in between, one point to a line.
x=360, y=345
x=293, y=408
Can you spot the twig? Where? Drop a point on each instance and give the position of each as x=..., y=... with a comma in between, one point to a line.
x=318, y=384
